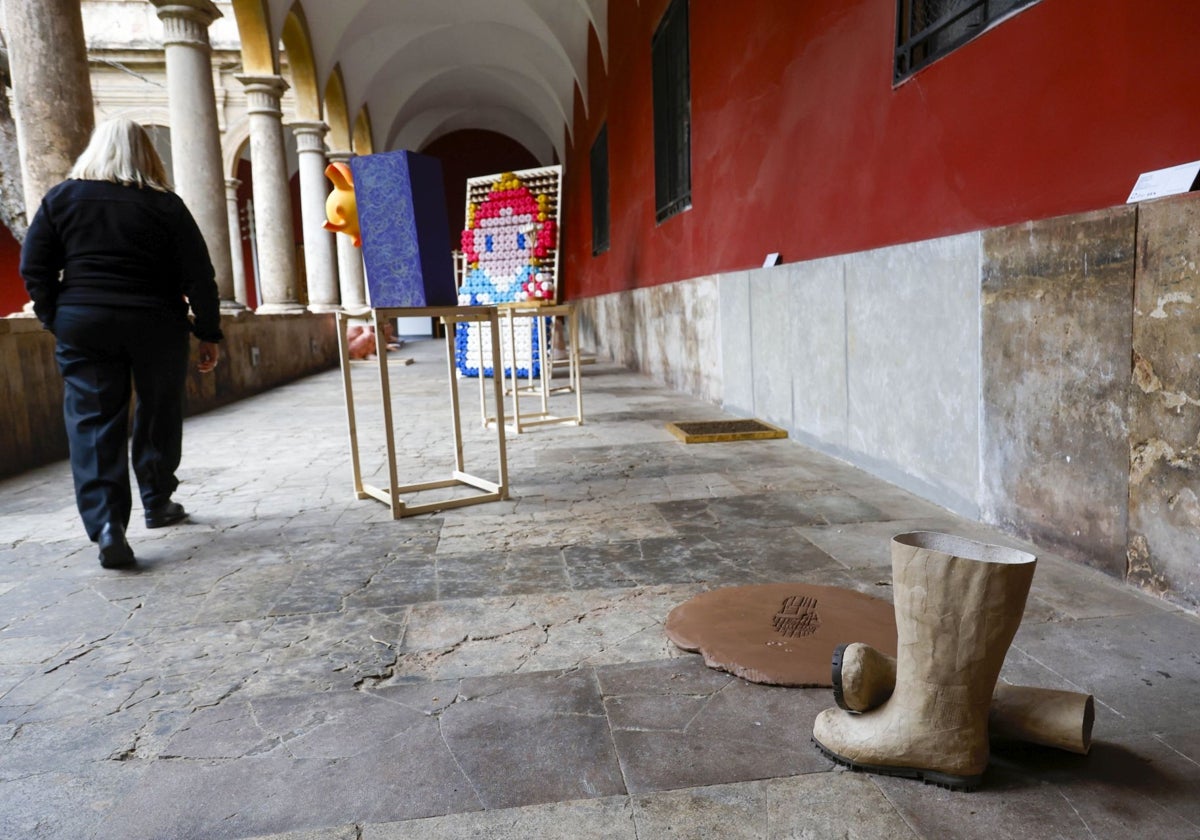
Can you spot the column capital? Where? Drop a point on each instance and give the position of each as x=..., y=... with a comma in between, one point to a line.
x=310, y=135
x=339, y=156
x=263, y=93
x=231, y=185
x=186, y=22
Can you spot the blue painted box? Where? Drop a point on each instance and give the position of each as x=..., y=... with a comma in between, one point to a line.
x=405, y=233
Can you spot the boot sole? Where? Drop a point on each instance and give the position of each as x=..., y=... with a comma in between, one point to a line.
x=949, y=781
x=118, y=557
x=166, y=521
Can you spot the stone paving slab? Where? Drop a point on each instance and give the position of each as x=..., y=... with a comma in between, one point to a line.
x=292, y=663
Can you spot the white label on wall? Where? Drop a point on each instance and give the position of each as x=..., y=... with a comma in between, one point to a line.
x=1170, y=181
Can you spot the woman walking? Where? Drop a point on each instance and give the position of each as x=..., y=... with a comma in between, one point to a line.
x=112, y=261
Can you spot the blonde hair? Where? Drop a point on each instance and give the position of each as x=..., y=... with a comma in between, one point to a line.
x=121, y=151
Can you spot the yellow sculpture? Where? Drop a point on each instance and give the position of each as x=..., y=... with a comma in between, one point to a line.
x=341, y=207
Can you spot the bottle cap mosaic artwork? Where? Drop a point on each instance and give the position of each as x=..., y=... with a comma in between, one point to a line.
x=510, y=245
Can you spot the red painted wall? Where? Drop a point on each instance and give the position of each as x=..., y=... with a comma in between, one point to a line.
x=12, y=287
x=469, y=154
x=245, y=193
x=801, y=144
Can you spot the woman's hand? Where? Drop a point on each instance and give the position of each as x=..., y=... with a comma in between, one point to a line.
x=206, y=358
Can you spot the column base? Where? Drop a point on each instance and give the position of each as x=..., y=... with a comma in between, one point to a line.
x=232, y=306
x=324, y=307
x=280, y=309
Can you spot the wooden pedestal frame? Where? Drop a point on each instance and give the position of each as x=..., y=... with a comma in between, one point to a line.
x=539, y=312
x=390, y=496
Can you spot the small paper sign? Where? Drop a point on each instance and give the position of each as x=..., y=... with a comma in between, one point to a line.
x=771, y=259
x=1170, y=181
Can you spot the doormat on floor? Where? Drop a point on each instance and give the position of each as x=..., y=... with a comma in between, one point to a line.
x=719, y=431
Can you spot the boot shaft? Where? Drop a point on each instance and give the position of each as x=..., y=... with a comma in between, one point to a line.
x=958, y=606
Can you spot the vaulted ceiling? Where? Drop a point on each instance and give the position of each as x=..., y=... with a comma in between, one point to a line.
x=425, y=68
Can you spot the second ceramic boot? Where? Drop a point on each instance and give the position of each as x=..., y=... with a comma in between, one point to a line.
x=958, y=605
x=863, y=679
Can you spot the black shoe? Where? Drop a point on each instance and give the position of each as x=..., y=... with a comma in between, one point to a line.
x=115, y=552
x=164, y=515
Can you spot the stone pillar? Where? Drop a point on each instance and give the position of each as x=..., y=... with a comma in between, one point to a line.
x=350, y=263
x=235, y=241
x=272, y=199
x=320, y=260
x=195, y=132
x=52, y=93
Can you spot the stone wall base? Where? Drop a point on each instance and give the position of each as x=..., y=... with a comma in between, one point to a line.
x=259, y=352
x=1043, y=377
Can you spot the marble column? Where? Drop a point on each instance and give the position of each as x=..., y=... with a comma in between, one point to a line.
x=320, y=260
x=350, y=264
x=272, y=199
x=195, y=132
x=52, y=93
x=235, y=240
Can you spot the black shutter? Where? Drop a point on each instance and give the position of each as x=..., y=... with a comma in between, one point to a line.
x=672, y=112
x=599, y=171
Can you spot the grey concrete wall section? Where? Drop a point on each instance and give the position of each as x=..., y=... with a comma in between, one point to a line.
x=912, y=363
x=770, y=329
x=737, y=358
x=817, y=350
x=872, y=357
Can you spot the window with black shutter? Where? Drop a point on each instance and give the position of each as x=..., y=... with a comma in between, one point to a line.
x=599, y=168
x=928, y=29
x=672, y=113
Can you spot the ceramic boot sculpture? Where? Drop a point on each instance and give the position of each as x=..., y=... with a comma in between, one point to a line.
x=863, y=679
x=958, y=604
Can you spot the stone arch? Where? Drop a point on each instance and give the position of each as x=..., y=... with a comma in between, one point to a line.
x=337, y=115
x=237, y=136
x=363, y=135
x=297, y=43
x=142, y=115
x=150, y=117
x=259, y=57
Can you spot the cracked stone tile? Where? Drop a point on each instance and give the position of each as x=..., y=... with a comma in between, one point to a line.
x=608, y=818
x=531, y=739
x=815, y=805
x=63, y=802
x=737, y=732
x=584, y=521
x=1126, y=787
x=405, y=776
x=707, y=558
x=534, y=632
x=766, y=510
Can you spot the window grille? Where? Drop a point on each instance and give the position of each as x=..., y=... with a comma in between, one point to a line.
x=599, y=172
x=672, y=112
x=928, y=29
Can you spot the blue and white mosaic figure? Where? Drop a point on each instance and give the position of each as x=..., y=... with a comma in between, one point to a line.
x=509, y=236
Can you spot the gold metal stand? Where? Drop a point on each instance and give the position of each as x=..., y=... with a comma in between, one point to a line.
x=539, y=312
x=390, y=496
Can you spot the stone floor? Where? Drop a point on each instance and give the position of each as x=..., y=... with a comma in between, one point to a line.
x=293, y=663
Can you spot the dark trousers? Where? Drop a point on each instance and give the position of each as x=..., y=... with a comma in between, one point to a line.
x=102, y=351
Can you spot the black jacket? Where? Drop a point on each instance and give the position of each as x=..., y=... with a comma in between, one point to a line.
x=119, y=246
